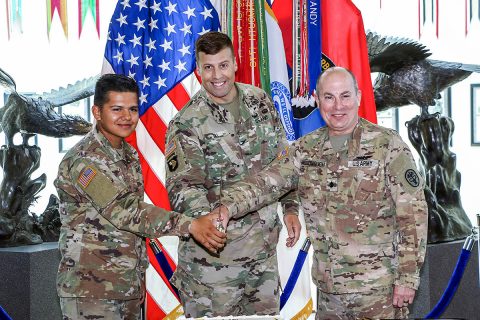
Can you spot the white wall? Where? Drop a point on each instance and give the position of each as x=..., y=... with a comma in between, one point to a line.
x=39, y=64
x=400, y=18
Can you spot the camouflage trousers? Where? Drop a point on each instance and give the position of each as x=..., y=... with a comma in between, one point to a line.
x=241, y=291
x=374, y=304
x=89, y=308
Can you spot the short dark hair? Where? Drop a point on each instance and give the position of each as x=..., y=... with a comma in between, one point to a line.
x=112, y=82
x=212, y=43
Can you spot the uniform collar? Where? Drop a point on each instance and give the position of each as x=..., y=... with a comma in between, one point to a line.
x=109, y=150
x=353, y=143
x=220, y=114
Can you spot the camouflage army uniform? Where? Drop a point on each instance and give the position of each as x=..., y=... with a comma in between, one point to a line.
x=208, y=150
x=104, y=222
x=364, y=208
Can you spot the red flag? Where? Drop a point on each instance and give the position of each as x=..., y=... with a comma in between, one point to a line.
x=345, y=44
x=248, y=34
x=283, y=10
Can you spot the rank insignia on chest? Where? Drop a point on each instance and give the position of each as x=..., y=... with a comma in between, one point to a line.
x=332, y=184
x=86, y=176
x=362, y=163
x=282, y=154
x=172, y=163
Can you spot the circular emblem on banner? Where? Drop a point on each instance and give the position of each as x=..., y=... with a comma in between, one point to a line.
x=281, y=98
x=412, y=178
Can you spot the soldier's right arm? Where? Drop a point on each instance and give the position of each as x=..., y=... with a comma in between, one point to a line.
x=88, y=182
x=276, y=179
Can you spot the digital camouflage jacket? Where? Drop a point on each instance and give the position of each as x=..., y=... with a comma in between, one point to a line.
x=208, y=150
x=105, y=221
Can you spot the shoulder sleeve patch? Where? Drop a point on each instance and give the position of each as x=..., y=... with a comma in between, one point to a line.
x=172, y=163
x=170, y=148
x=86, y=176
x=405, y=172
x=175, y=155
x=96, y=184
x=412, y=178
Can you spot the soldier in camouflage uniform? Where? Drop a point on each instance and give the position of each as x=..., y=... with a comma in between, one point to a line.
x=227, y=131
x=363, y=202
x=104, y=218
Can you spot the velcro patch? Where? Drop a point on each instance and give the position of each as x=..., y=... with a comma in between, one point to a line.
x=362, y=163
x=96, y=183
x=86, y=176
x=403, y=168
x=171, y=146
x=412, y=178
x=313, y=163
x=172, y=163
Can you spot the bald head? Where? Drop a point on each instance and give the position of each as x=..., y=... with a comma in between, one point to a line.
x=329, y=71
x=338, y=99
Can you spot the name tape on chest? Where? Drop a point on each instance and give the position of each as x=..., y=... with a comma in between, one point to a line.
x=362, y=163
x=314, y=163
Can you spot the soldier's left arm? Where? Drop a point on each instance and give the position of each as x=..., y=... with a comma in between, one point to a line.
x=407, y=190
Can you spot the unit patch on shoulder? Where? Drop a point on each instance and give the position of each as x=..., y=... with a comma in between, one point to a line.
x=86, y=176
x=172, y=163
x=412, y=178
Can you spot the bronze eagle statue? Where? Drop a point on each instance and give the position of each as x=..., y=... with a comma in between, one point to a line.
x=34, y=114
x=406, y=75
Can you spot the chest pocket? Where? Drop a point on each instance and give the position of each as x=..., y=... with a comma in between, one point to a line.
x=369, y=179
x=221, y=155
x=312, y=177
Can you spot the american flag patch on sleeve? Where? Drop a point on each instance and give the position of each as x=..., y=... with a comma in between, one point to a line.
x=86, y=176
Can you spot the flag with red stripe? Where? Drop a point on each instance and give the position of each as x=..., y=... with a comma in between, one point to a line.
x=344, y=43
x=153, y=42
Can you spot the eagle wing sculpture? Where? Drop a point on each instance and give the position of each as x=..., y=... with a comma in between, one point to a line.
x=406, y=76
x=36, y=115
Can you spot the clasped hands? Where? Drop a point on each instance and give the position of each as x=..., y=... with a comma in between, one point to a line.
x=208, y=229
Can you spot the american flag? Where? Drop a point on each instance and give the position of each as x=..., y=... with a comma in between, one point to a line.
x=153, y=42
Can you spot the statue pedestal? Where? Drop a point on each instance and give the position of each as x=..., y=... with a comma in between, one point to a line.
x=440, y=261
x=27, y=281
